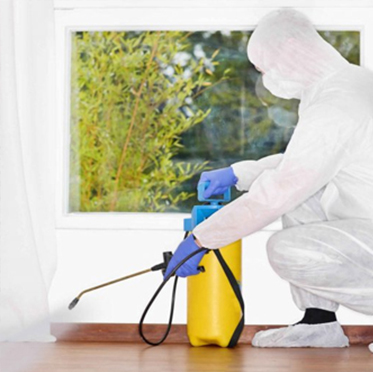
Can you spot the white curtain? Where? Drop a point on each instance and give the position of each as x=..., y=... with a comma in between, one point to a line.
x=27, y=231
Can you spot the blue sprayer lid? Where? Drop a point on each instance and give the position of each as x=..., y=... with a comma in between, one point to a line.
x=202, y=212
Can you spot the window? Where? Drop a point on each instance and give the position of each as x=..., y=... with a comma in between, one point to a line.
x=150, y=110
x=201, y=82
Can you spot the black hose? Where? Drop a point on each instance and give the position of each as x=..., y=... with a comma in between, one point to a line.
x=172, y=300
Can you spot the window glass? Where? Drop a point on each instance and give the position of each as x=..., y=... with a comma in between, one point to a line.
x=150, y=110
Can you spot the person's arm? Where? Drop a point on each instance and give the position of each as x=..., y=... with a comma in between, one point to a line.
x=241, y=175
x=248, y=171
x=320, y=146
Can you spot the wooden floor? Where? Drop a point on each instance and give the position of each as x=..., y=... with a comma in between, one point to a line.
x=125, y=357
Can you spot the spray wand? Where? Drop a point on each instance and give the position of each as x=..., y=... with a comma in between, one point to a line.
x=162, y=266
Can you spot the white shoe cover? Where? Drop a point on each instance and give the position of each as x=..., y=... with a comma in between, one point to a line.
x=371, y=347
x=303, y=335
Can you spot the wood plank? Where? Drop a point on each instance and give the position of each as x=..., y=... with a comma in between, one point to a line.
x=109, y=332
x=128, y=357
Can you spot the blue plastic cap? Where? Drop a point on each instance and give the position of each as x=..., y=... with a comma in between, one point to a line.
x=202, y=186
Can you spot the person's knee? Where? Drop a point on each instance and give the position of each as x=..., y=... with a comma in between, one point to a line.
x=278, y=252
x=274, y=247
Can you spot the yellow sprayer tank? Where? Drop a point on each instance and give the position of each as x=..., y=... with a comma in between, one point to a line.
x=215, y=305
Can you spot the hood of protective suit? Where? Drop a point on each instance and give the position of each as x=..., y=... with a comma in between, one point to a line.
x=286, y=47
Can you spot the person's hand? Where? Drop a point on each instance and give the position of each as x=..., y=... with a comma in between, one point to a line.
x=220, y=181
x=190, y=267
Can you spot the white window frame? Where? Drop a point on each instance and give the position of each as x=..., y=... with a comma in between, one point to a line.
x=75, y=15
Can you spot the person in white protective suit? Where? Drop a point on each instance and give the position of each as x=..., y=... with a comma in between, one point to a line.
x=322, y=185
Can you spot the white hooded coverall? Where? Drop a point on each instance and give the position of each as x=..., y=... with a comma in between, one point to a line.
x=322, y=185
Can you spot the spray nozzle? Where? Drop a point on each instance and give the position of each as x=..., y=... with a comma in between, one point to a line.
x=73, y=303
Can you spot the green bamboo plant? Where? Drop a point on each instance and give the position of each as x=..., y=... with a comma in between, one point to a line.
x=131, y=99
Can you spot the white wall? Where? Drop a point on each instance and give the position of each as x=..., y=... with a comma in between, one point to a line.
x=90, y=257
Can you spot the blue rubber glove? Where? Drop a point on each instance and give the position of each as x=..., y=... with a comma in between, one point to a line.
x=190, y=267
x=220, y=181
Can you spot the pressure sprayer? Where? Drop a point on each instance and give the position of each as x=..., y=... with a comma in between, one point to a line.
x=215, y=303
